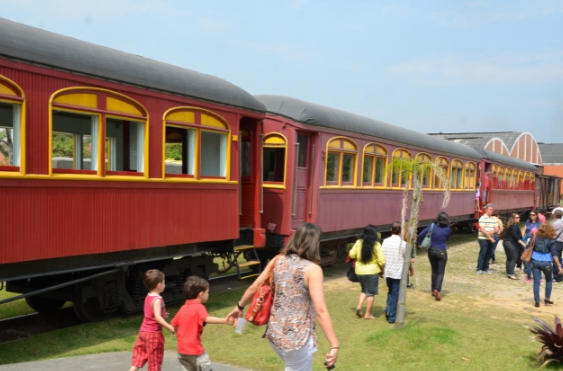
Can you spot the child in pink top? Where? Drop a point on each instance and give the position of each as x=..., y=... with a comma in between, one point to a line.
x=150, y=342
x=189, y=322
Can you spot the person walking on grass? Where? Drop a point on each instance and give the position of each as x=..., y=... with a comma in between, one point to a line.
x=488, y=226
x=189, y=322
x=438, y=251
x=149, y=346
x=370, y=261
x=531, y=227
x=298, y=303
x=513, y=244
x=558, y=226
x=394, y=250
x=496, y=236
x=542, y=261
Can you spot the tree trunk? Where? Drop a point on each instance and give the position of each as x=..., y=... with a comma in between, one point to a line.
x=401, y=307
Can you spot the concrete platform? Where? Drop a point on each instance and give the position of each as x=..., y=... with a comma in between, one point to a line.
x=117, y=361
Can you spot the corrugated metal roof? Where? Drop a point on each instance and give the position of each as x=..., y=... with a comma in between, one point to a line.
x=318, y=115
x=479, y=140
x=32, y=45
x=551, y=153
x=497, y=157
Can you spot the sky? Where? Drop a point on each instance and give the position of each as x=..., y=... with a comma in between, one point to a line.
x=428, y=65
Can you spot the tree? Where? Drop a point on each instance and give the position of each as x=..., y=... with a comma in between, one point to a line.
x=6, y=146
x=399, y=168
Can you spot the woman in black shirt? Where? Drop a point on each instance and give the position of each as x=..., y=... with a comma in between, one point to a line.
x=512, y=236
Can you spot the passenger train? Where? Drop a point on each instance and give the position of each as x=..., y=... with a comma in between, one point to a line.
x=90, y=199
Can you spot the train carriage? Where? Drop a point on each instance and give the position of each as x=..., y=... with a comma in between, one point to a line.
x=85, y=187
x=329, y=167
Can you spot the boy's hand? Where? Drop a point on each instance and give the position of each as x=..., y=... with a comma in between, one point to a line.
x=230, y=321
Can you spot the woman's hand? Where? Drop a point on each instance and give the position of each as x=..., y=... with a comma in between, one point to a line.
x=234, y=315
x=331, y=357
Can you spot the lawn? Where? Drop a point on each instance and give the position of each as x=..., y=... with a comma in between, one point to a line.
x=479, y=325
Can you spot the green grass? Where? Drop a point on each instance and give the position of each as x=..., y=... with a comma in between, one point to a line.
x=479, y=325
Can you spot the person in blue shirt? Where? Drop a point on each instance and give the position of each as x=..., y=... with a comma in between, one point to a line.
x=532, y=226
x=545, y=253
x=437, y=253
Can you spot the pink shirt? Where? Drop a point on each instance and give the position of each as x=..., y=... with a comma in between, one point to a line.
x=541, y=217
x=149, y=322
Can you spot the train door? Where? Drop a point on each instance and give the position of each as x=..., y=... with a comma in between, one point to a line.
x=248, y=178
x=301, y=206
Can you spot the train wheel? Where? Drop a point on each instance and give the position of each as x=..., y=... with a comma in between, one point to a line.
x=44, y=305
x=91, y=311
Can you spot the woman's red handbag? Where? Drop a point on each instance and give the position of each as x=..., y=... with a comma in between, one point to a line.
x=259, y=311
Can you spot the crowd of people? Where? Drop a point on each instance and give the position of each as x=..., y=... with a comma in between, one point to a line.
x=299, y=301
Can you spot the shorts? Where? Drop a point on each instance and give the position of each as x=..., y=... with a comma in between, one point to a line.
x=149, y=347
x=195, y=363
x=369, y=283
x=300, y=359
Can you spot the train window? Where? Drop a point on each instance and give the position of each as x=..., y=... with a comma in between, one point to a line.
x=501, y=180
x=470, y=176
x=123, y=143
x=442, y=163
x=494, y=175
x=520, y=180
x=514, y=179
x=508, y=179
x=9, y=136
x=179, y=151
x=274, y=160
x=457, y=175
x=374, y=166
x=246, y=155
x=425, y=173
x=12, y=106
x=74, y=142
x=80, y=117
x=196, y=144
x=399, y=178
x=213, y=154
x=532, y=182
x=303, y=141
x=341, y=162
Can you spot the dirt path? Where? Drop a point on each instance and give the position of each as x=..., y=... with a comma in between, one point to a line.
x=461, y=281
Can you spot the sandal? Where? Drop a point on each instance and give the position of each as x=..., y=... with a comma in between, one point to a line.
x=370, y=317
x=359, y=313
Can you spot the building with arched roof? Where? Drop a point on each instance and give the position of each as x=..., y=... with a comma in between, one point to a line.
x=522, y=146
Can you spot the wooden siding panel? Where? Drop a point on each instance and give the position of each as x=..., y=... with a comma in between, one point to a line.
x=49, y=222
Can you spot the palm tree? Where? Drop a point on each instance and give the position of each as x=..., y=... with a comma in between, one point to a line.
x=415, y=170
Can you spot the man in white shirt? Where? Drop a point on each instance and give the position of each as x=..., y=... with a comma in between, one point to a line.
x=394, y=251
x=558, y=225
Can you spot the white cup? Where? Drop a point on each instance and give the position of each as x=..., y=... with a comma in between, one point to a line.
x=240, y=325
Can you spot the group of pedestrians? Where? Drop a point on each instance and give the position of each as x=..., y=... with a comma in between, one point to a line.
x=298, y=280
x=544, y=238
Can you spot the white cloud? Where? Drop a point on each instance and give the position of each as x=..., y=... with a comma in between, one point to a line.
x=485, y=68
x=471, y=13
x=97, y=11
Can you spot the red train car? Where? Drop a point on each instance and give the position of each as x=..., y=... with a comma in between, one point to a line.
x=87, y=192
x=329, y=167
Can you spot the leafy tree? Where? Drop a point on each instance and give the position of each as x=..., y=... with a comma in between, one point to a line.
x=416, y=170
x=173, y=151
x=63, y=145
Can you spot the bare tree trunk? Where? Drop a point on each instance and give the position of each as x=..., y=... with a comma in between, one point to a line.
x=401, y=307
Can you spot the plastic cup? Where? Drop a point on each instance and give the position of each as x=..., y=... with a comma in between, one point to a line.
x=240, y=325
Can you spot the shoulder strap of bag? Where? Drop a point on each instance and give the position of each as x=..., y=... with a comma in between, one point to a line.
x=270, y=278
x=533, y=243
x=431, y=228
x=558, y=235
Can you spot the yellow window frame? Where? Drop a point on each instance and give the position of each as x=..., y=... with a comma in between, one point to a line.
x=341, y=146
x=12, y=93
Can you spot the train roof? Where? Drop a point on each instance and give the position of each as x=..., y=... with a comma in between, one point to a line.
x=318, y=115
x=32, y=45
x=506, y=160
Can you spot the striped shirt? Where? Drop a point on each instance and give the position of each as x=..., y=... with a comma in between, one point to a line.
x=394, y=252
x=489, y=223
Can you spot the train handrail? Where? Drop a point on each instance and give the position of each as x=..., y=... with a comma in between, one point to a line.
x=295, y=180
x=261, y=152
x=311, y=173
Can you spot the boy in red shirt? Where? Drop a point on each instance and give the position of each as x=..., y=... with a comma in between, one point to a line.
x=150, y=343
x=189, y=322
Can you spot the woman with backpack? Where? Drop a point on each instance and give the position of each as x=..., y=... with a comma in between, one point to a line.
x=437, y=253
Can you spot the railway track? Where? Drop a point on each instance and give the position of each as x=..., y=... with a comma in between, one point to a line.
x=33, y=324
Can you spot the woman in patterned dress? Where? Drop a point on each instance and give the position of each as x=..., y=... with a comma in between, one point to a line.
x=298, y=302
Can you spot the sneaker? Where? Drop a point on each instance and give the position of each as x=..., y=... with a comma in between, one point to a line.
x=480, y=272
x=490, y=271
x=528, y=280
